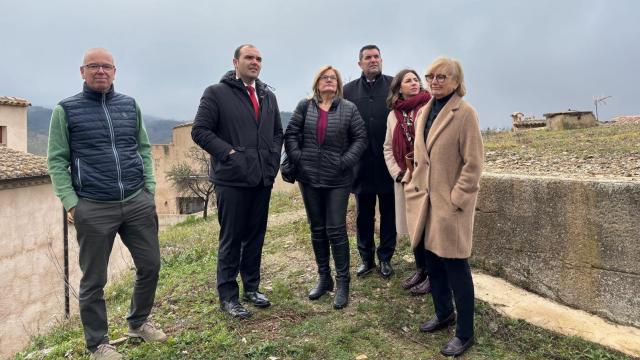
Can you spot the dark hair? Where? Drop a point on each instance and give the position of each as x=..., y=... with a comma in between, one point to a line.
x=394, y=88
x=236, y=54
x=367, y=47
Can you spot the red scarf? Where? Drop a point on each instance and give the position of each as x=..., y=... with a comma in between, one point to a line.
x=404, y=132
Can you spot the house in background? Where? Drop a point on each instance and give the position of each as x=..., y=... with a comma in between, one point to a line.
x=13, y=122
x=165, y=156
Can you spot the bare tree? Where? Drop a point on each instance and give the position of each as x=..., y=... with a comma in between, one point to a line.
x=192, y=177
x=599, y=100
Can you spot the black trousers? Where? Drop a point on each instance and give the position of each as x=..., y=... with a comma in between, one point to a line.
x=420, y=254
x=96, y=225
x=447, y=276
x=327, y=214
x=242, y=214
x=365, y=223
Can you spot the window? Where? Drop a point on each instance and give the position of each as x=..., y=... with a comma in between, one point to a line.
x=3, y=135
x=190, y=205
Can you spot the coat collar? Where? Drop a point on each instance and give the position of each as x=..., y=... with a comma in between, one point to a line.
x=439, y=124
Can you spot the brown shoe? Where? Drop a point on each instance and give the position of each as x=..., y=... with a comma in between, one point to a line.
x=421, y=289
x=413, y=280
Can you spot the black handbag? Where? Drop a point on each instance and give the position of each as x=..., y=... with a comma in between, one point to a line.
x=288, y=168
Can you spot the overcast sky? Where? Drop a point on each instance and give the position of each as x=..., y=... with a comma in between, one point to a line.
x=531, y=56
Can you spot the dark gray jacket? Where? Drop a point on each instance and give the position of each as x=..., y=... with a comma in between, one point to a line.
x=226, y=120
x=373, y=176
x=331, y=164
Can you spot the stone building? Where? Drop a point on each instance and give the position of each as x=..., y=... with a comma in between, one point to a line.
x=13, y=122
x=570, y=119
x=165, y=156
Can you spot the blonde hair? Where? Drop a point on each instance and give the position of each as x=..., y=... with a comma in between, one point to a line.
x=453, y=68
x=315, y=93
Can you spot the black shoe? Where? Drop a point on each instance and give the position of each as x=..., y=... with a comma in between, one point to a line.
x=434, y=324
x=413, y=280
x=235, y=309
x=257, y=299
x=456, y=347
x=385, y=269
x=365, y=269
x=421, y=289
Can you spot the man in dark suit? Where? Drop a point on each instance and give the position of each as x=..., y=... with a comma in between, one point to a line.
x=369, y=93
x=238, y=124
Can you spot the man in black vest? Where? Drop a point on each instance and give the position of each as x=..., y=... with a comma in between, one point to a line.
x=369, y=93
x=238, y=124
x=99, y=160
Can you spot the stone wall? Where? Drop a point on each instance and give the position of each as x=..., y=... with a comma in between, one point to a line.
x=32, y=265
x=570, y=240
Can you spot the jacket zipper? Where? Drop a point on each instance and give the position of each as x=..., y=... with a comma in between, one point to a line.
x=113, y=145
x=79, y=175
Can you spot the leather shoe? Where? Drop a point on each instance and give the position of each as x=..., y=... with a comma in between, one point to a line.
x=456, y=347
x=421, y=289
x=257, y=299
x=235, y=309
x=434, y=324
x=413, y=280
x=385, y=269
x=365, y=269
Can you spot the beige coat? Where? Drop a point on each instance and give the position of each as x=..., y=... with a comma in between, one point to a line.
x=441, y=195
x=394, y=170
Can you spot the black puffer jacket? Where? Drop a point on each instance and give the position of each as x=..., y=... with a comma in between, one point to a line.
x=226, y=120
x=331, y=164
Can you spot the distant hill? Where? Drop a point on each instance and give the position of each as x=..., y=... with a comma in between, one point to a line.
x=158, y=129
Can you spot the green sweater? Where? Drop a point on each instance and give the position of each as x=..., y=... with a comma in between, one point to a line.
x=59, y=158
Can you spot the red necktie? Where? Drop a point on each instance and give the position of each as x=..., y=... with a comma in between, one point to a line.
x=254, y=101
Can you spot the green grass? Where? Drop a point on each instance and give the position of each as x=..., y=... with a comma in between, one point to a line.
x=381, y=320
x=600, y=140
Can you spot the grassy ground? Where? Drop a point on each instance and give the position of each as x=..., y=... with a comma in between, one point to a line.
x=381, y=320
x=600, y=140
x=610, y=152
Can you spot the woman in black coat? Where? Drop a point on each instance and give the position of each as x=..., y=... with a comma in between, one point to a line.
x=325, y=139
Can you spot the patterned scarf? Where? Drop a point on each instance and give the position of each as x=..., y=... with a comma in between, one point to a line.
x=404, y=132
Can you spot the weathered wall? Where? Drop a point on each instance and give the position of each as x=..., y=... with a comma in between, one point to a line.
x=567, y=122
x=15, y=119
x=31, y=265
x=573, y=241
x=164, y=157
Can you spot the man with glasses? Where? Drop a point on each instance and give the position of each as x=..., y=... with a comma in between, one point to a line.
x=238, y=124
x=99, y=160
x=369, y=93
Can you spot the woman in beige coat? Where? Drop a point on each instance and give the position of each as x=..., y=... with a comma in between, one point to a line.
x=441, y=198
x=406, y=97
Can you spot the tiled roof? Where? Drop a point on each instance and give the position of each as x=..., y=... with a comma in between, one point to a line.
x=13, y=101
x=16, y=164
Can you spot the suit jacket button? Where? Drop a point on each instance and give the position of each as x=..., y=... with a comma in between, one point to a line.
x=415, y=163
x=416, y=189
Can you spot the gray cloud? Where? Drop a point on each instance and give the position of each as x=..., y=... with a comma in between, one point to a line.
x=533, y=57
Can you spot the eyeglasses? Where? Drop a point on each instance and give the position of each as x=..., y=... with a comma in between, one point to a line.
x=96, y=67
x=328, y=77
x=438, y=78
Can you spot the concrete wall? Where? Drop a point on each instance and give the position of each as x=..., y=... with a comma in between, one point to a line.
x=573, y=241
x=15, y=119
x=31, y=265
